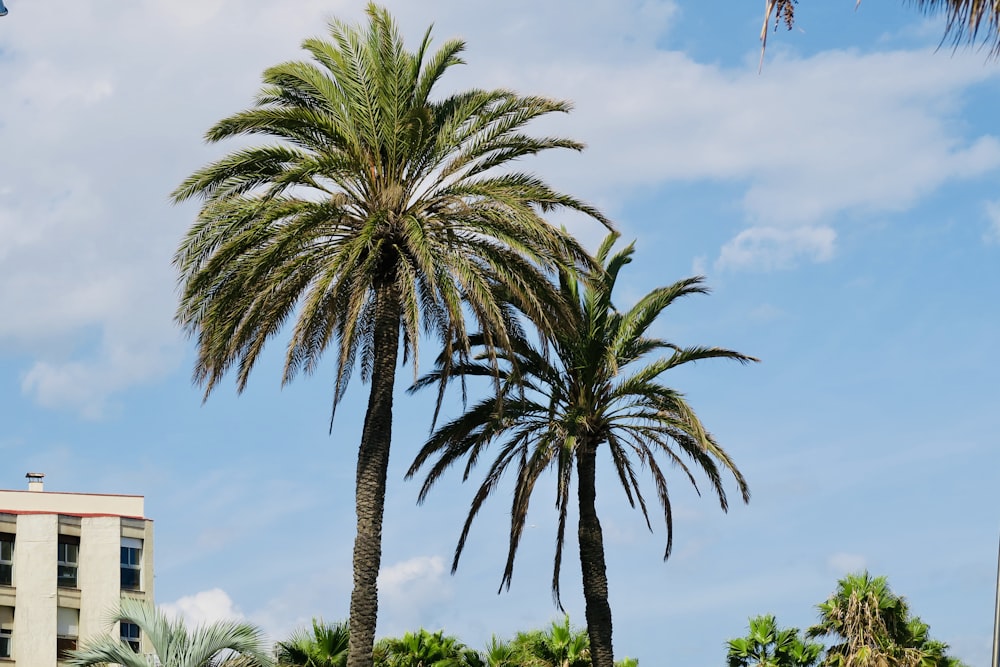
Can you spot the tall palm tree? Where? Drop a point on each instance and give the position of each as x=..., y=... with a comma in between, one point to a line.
x=376, y=213
x=555, y=410
x=325, y=646
x=219, y=644
x=967, y=20
x=767, y=645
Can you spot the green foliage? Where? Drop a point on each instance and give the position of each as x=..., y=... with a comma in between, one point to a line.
x=425, y=649
x=559, y=646
x=589, y=383
x=367, y=181
x=325, y=646
x=873, y=627
x=597, y=388
x=372, y=214
x=767, y=645
x=499, y=653
x=219, y=644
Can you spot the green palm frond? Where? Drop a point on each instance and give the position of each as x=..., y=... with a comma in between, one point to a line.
x=588, y=381
x=873, y=626
x=324, y=645
x=372, y=214
x=223, y=643
x=967, y=21
x=371, y=181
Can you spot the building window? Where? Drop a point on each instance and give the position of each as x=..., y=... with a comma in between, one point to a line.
x=6, y=559
x=67, y=630
x=6, y=631
x=131, y=563
x=130, y=635
x=69, y=560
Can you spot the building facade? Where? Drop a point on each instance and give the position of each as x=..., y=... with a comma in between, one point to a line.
x=66, y=561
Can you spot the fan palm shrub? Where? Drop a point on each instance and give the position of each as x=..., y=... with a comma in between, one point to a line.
x=219, y=644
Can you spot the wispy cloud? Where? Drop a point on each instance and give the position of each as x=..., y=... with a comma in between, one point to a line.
x=87, y=233
x=842, y=563
x=771, y=248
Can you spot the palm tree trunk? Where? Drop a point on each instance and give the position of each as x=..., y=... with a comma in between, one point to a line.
x=595, y=578
x=373, y=463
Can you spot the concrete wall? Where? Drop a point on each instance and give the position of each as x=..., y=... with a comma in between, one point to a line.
x=34, y=635
x=99, y=575
x=71, y=503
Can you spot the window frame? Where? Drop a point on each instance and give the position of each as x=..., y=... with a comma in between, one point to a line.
x=7, y=564
x=134, y=641
x=63, y=580
x=131, y=564
x=65, y=641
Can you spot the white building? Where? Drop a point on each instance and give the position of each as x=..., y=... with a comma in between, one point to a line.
x=66, y=560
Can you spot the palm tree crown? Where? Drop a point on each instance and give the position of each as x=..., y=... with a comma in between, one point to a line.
x=375, y=215
x=325, y=646
x=559, y=646
x=767, y=645
x=219, y=644
x=873, y=628
x=588, y=384
x=425, y=649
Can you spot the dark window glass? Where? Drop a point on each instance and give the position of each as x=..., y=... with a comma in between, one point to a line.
x=69, y=559
x=6, y=559
x=130, y=579
x=64, y=644
x=4, y=643
x=130, y=635
x=69, y=553
x=67, y=576
x=131, y=559
x=131, y=556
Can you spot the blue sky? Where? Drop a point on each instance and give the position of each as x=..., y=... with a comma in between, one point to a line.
x=843, y=204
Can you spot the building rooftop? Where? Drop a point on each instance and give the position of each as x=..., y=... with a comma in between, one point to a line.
x=38, y=501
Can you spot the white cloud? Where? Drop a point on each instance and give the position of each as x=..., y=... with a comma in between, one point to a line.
x=418, y=571
x=203, y=608
x=410, y=589
x=86, y=233
x=992, y=234
x=845, y=563
x=770, y=248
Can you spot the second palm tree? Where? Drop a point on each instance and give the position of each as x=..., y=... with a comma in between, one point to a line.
x=553, y=411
